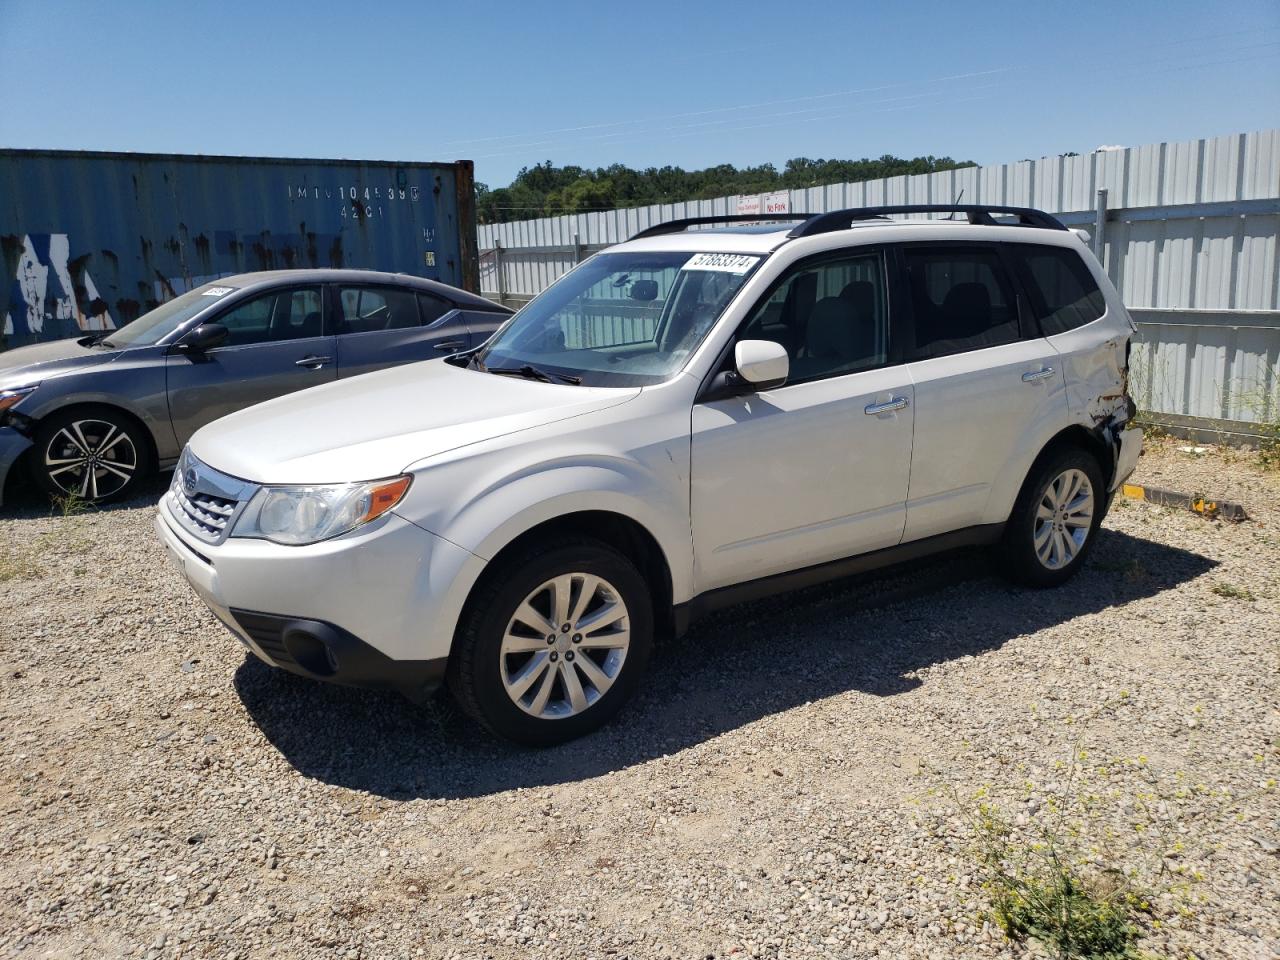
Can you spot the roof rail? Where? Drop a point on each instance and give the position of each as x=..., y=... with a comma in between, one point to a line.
x=976, y=213
x=675, y=226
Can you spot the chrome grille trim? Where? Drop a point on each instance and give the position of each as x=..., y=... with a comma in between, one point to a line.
x=205, y=502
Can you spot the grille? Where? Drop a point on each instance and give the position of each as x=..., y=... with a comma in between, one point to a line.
x=203, y=514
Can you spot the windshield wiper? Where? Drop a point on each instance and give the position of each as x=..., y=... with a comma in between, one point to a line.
x=530, y=372
x=93, y=340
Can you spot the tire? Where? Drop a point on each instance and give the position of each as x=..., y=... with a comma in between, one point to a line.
x=533, y=681
x=93, y=453
x=1056, y=518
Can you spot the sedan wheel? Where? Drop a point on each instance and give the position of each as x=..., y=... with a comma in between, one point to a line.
x=88, y=455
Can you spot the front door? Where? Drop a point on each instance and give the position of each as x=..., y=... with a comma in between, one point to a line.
x=816, y=470
x=277, y=345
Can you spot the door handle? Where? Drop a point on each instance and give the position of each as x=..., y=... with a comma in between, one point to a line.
x=453, y=346
x=312, y=363
x=897, y=403
x=1035, y=375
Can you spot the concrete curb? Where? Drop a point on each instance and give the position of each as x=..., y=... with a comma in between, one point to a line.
x=1226, y=509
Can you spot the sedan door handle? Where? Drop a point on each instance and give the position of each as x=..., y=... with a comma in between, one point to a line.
x=312, y=363
x=453, y=346
x=1035, y=375
x=897, y=403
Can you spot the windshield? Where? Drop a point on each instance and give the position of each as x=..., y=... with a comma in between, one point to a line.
x=155, y=325
x=621, y=319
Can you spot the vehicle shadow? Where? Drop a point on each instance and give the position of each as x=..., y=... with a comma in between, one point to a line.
x=23, y=500
x=729, y=670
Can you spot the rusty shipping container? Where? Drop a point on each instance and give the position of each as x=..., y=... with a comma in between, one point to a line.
x=92, y=240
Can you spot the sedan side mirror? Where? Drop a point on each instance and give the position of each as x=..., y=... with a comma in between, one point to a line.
x=205, y=337
x=762, y=363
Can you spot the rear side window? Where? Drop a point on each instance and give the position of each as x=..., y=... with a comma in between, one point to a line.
x=433, y=308
x=365, y=309
x=1063, y=293
x=962, y=299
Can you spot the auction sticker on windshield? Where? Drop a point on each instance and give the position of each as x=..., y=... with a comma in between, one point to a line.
x=218, y=291
x=728, y=262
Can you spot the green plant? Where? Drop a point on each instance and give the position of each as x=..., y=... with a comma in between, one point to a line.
x=1232, y=592
x=1038, y=890
x=70, y=505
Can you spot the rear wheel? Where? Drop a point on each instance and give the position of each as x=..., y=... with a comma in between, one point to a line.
x=93, y=455
x=1056, y=519
x=553, y=643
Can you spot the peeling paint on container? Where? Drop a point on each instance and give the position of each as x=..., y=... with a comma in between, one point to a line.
x=88, y=241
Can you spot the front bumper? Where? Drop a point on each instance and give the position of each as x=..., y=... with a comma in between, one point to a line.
x=375, y=607
x=12, y=446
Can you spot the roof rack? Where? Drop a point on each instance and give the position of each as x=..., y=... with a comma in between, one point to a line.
x=675, y=226
x=981, y=214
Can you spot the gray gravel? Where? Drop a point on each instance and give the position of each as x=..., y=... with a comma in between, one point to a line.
x=793, y=782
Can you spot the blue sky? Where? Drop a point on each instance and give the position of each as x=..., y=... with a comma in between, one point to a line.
x=644, y=83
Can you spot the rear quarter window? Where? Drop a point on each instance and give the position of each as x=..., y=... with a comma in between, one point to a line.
x=1062, y=290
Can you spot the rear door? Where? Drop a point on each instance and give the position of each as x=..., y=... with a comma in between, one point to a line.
x=989, y=390
x=1091, y=340
x=277, y=345
x=384, y=326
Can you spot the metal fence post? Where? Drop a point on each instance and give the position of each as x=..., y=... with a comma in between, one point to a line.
x=1099, y=228
x=577, y=249
x=498, y=270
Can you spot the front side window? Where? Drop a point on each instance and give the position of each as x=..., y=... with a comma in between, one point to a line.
x=365, y=309
x=621, y=319
x=292, y=314
x=831, y=316
x=961, y=299
x=1063, y=293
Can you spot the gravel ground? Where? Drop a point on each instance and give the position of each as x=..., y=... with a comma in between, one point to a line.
x=796, y=780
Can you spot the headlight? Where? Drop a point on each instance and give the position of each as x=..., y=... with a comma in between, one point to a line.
x=297, y=515
x=12, y=396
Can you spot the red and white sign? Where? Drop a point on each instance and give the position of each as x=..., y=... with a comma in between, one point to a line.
x=778, y=202
x=748, y=206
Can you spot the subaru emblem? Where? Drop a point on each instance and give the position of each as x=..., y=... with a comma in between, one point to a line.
x=189, y=480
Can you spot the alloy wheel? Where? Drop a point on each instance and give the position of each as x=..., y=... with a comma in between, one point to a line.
x=1064, y=518
x=565, y=645
x=91, y=459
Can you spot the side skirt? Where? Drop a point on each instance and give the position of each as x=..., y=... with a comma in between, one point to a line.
x=704, y=603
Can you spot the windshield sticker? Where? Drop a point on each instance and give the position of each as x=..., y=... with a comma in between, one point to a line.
x=218, y=291
x=728, y=262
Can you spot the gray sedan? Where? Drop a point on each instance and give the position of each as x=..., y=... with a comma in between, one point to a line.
x=95, y=416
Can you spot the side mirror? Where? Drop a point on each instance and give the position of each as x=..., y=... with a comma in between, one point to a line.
x=762, y=363
x=205, y=337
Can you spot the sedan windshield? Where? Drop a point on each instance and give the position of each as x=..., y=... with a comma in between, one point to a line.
x=155, y=325
x=620, y=319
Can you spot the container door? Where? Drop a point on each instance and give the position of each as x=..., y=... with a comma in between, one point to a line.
x=277, y=345
x=386, y=326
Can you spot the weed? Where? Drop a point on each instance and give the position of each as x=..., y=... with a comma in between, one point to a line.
x=1232, y=592
x=18, y=566
x=70, y=505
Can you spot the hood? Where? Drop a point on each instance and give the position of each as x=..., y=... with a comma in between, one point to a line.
x=378, y=424
x=31, y=364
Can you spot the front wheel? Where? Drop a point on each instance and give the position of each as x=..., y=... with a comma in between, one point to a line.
x=1056, y=519
x=553, y=643
x=92, y=455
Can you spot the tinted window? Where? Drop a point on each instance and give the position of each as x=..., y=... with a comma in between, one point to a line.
x=1063, y=293
x=961, y=300
x=281, y=315
x=831, y=317
x=377, y=308
x=433, y=308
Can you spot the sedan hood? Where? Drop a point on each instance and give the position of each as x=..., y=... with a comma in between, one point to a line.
x=377, y=425
x=25, y=365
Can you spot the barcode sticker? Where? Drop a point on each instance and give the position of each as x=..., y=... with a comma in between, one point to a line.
x=218, y=291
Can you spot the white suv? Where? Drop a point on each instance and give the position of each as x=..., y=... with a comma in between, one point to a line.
x=686, y=420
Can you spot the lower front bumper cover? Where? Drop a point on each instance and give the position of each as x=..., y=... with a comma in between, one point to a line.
x=323, y=651
x=12, y=446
